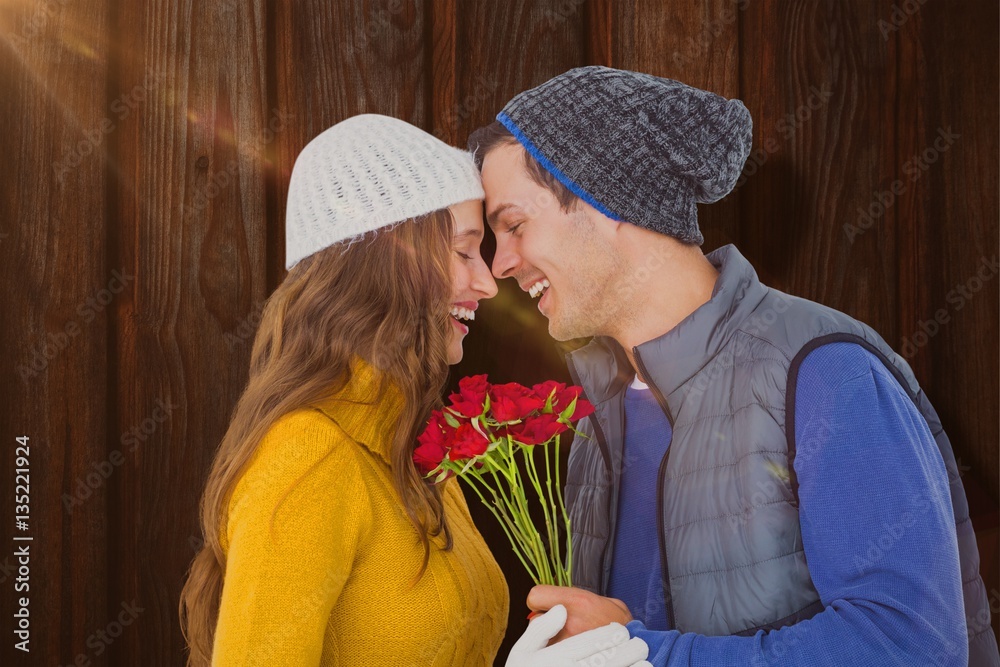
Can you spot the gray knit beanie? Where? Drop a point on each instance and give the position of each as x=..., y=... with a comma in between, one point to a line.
x=634, y=146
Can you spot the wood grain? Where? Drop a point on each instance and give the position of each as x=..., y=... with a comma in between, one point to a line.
x=957, y=228
x=54, y=263
x=949, y=313
x=502, y=49
x=445, y=118
x=811, y=71
x=698, y=44
x=335, y=60
x=156, y=140
x=188, y=210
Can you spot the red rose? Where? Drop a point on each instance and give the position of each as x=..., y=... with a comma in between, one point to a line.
x=536, y=430
x=512, y=401
x=562, y=396
x=565, y=396
x=433, y=443
x=428, y=456
x=467, y=443
x=471, y=396
x=438, y=430
x=583, y=408
x=545, y=389
x=474, y=386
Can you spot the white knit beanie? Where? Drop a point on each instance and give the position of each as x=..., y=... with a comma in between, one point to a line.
x=366, y=173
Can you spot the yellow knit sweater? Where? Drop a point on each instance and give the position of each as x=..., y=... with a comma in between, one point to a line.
x=329, y=584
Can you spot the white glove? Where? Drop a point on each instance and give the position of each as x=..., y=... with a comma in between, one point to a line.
x=608, y=646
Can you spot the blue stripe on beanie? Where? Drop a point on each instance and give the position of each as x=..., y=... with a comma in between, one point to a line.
x=551, y=168
x=646, y=147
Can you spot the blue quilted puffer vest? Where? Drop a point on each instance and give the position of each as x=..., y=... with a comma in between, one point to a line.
x=728, y=521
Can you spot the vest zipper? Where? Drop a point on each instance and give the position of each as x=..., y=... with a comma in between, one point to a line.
x=661, y=475
x=614, y=502
x=598, y=431
x=602, y=444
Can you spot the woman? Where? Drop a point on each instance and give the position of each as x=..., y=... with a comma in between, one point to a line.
x=323, y=545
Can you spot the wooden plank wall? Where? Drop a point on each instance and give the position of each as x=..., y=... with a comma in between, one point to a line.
x=56, y=284
x=143, y=229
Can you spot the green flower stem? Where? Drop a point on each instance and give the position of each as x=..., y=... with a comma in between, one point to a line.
x=511, y=523
x=517, y=491
x=556, y=552
x=544, y=554
x=525, y=528
x=505, y=507
x=504, y=522
x=529, y=463
x=568, y=565
x=550, y=513
x=493, y=467
x=517, y=509
x=525, y=537
x=501, y=479
x=497, y=503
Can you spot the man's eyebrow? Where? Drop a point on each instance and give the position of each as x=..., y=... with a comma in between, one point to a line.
x=475, y=233
x=492, y=216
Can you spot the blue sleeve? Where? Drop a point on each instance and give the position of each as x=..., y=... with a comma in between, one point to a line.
x=877, y=528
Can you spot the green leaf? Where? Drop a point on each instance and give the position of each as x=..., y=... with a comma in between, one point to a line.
x=450, y=418
x=568, y=412
x=548, y=402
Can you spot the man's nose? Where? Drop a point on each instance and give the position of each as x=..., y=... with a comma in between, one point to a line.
x=505, y=260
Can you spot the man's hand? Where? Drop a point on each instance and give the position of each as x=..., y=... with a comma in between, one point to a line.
x=585, y=610
x=607, y=646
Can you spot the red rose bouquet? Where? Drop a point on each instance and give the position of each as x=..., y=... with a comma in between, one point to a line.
x=481, y=435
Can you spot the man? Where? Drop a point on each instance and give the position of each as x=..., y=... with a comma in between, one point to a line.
x=763, y=481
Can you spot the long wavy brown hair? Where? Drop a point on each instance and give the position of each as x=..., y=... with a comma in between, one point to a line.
x=385, y=298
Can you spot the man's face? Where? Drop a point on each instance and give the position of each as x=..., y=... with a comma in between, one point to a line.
x=570, y=254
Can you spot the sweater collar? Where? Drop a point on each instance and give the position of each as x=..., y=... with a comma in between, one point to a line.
x=359, y=410
x=673, y=358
